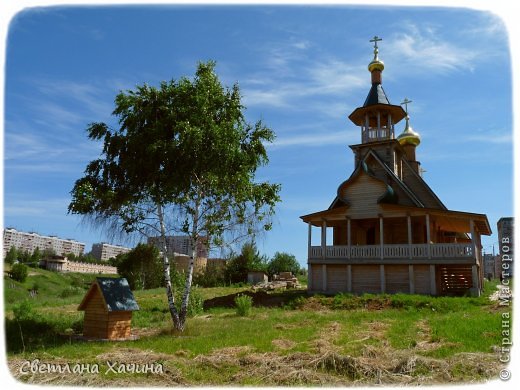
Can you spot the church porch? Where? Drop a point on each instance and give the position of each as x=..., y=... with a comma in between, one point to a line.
x=435, y=252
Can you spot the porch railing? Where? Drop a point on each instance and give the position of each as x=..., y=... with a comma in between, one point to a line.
x=395, y=251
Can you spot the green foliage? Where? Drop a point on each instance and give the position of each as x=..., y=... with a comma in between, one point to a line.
x=11, y=255
x=36, y=256
x=183, y=155
x=142, y=267
x=249, y=259
x=283, y=262
x=19, y=272
x=71, y=291
x=210, y=278
x=243, y=304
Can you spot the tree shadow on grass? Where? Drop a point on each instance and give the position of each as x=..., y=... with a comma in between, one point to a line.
x=32, y=334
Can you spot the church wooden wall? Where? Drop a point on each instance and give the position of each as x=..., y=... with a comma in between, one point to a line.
x=366, y=279
x=397, y=279
x=336, y=278
x=362, y=195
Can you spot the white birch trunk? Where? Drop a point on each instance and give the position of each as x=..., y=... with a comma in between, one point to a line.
x=166, y=269
x=189, y=277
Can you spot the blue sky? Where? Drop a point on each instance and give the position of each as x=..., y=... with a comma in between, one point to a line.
x=301, y=69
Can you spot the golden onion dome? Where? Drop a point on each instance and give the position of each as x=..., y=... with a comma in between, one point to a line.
x=409, y=136
x=376, y=64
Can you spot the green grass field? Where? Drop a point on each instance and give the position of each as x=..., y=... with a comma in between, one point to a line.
x=290, y=338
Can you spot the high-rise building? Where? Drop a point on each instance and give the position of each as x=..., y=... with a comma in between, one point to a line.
x=180, y=244
x=30, y=241
x=104, y=251
x=506, y=236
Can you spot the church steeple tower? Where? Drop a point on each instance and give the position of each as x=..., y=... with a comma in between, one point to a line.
x=409, y=140
x=377, y=116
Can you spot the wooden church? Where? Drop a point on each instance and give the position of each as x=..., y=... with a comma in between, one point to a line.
x=390, y=232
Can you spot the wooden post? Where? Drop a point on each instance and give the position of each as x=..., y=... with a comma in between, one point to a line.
x=476, y=282
x=428, y=239
x=411, y=279
x=367, y=127
x=473, y=241
x=309, y=240
x=382, y=277
x=433, y=281
x=324, y=276
x=378, y=124
x=381, y=236
x=323, y=238
x=309, y=277
x=409, y=223
x=349, y=278
x=349, y=240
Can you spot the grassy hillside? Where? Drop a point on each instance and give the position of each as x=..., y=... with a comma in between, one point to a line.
x=53, y=289
x=289, y=339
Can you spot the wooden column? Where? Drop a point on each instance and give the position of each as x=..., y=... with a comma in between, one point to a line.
x=349, y=239
x=411, y=279
x=309, y=277
x=324, y=276
x=364, y=138
x=323, y=238
x=433, y=280
x=309, y=240
x=409, y=223
x=428, y=238
x=475, y=280
x=349, y=278
x=382, y=278
x=378, y=124
x=381, y=236
x=472, y=232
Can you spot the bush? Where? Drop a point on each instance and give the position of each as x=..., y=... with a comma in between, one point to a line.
x=243, y=304
x=70, y=291
x=19, y=272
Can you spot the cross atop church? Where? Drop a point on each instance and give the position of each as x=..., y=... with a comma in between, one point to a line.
x=405, y=102
x=375, y=40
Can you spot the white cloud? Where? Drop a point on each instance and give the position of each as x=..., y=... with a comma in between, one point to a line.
x=422, y=49
x=319, y=139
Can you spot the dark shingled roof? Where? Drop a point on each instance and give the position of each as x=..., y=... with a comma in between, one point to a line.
x=117, y=294
x=376, y=95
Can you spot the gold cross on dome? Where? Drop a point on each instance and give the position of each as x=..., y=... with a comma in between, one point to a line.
x=375, y=40
x=406, y=101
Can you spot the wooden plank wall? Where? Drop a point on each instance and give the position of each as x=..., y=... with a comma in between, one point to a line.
x=397, y=279
x=336, y=278
x=363, y=194
x=422, y=279
x=317, y=277
x=96, y=317
x=366, y=279
x=119, y=324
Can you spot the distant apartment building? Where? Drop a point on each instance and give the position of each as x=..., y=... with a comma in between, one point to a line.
x=506, y=237
x=30, y=241
x=103, y=251
x=181, y=245
x=491, y=270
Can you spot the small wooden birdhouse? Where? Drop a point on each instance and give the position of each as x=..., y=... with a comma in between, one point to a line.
x=108, y=307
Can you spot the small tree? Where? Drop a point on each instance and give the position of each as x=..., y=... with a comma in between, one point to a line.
x=141, y=267
x=11, y=255
x=19, y=272
x=36, y=256
x=249, y=259
x=283, y=262
x=182, y=161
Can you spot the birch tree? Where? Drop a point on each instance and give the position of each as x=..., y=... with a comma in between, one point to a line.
x=182, y=160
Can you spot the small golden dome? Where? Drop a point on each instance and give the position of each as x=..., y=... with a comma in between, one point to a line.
x=376, y=64
x=409, y=136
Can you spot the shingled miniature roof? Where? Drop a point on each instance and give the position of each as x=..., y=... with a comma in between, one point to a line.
x=116, y=294
x=376, y=95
